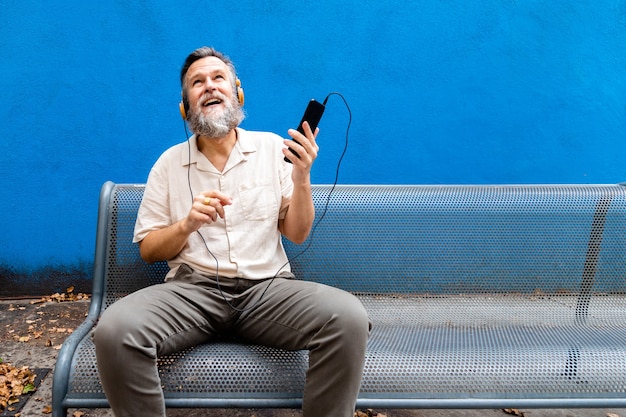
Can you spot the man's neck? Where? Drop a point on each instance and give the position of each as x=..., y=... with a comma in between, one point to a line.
x=217, y=150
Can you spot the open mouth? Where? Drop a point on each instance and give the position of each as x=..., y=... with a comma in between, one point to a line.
x=211, y=102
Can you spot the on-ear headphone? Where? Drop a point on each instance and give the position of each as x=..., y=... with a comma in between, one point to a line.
x=240, y=95
x=184, y=103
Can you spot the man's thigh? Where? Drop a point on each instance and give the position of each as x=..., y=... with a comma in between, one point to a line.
x=170, y=317
x=289, y=312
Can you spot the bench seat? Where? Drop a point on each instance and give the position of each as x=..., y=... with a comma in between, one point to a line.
x=480, y=296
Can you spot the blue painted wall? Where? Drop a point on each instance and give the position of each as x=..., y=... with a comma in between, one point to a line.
x=529, y=91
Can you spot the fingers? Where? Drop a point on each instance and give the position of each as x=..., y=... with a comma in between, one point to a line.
x=304, y=145
x=221, y=198
x=208, y=206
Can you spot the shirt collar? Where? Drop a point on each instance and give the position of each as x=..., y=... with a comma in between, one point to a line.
x=244, y=146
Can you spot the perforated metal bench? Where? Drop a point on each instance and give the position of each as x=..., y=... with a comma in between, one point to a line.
x=481, y=296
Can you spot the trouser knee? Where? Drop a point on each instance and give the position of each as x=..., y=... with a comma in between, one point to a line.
x=353, y=324
x=115, y=332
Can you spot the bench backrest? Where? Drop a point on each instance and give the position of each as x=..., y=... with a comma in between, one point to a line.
x=426, y=240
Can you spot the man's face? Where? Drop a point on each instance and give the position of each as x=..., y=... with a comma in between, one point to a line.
x=207, y=79
x=213, y=111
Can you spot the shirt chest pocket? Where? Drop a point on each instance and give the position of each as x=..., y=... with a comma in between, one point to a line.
x=258, y=201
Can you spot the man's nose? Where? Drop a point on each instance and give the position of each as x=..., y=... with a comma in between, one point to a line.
x=209, y=85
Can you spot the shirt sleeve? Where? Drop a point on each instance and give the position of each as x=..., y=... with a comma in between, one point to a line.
x=154, y=211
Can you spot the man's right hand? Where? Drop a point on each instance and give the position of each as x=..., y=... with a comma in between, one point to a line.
x=164, y=244
x=206, y=208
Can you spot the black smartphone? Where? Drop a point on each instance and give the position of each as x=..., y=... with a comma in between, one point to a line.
x=313, y=115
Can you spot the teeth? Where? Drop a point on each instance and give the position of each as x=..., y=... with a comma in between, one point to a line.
x=211, y=101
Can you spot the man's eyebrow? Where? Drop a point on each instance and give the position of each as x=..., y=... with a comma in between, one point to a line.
x=200, y=72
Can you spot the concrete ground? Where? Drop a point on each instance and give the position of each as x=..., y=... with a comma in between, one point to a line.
x=31, y=332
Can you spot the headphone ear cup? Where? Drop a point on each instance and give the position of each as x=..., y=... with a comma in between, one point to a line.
x=183, y=105
x=240, y=94
x=183, y=113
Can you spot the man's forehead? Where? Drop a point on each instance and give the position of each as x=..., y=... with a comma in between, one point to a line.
x=207, y=64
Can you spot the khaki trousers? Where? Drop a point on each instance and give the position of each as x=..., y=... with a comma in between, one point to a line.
x=190, y=309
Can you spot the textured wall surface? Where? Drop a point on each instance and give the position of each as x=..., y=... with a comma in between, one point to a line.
x=503, y=91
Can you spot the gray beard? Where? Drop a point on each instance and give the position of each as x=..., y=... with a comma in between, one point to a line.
x=216, y=126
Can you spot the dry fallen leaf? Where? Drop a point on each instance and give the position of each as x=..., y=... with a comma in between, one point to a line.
x=47, y=409
x=514, y=412
x=611, y=415
x=368, y=413
x=13, y=383
x=67, y=296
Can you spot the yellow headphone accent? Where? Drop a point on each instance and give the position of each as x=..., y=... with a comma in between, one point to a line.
x=182, y=106
x=240, y=96
x=184, y=103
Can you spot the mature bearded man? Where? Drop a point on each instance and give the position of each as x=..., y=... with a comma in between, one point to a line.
x=215, y=207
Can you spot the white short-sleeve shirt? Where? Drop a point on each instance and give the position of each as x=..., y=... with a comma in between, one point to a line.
x=246, y=242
